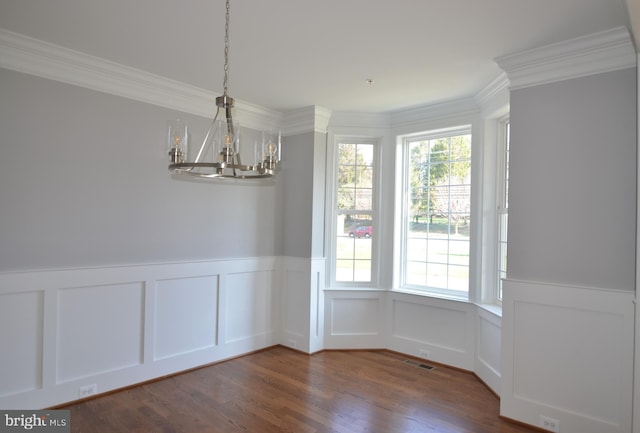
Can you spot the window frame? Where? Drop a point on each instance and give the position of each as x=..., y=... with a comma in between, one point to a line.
x=332, y=210
x=402, y=211
x=502, y=199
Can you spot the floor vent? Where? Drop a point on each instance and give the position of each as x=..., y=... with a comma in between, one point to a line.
x=419, y=364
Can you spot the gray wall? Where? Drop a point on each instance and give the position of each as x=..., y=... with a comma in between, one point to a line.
x=83, y=182
x=572, y=197
x=298, y=169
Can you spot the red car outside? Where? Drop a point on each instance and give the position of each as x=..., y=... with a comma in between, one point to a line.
x=361, y=232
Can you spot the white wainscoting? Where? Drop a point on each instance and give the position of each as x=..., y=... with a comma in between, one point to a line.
x=437, y=329
x=568, y=355
x=354, y=319
x=113, y=327
x=488, y=348
x=303, y=303
x=441, y=330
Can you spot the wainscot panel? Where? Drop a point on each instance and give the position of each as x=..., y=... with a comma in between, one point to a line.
x=249, y=305
x=354, y=319
x=567, y=354
x=100, y=329
x=295, y=293
x=21, y=337
x=186, y=312
x=488, y=350
x=303, y=303
x=437, y=329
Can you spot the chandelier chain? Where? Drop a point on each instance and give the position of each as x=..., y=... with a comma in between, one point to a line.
x=226, y=50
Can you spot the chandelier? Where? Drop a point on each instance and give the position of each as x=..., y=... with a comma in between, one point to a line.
x=218, y=157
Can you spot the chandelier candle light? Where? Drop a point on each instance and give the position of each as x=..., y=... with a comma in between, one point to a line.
x=219, y=155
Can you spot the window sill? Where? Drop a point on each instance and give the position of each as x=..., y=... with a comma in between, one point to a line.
x=353, y=289
x=494, y=309
x=436, y=295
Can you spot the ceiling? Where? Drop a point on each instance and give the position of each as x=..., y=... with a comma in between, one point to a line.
x=288, y=54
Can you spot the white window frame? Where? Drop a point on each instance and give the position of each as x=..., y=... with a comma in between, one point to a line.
x=332, y=211
x=501, y=201
x=402, y=187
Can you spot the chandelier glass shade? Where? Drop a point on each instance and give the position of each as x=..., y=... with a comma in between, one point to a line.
x=218, y=157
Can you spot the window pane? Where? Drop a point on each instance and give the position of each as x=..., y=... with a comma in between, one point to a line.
x=437, y=276
x=362, y=270
x=364, y=199
x=415, y=273
x=364, y=178
x=346, y=176
x=346, y=198
x=458, y=278
x=459, y=253
x=362, y=247
x=364, y=154
x=347, y=153
x=345, y=248
x=438, y=250
x=344, y=270
x=416, y=249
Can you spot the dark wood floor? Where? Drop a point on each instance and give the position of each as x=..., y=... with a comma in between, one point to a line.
x=280, y=390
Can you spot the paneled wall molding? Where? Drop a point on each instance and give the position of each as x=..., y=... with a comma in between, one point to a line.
x=431, y=328
x=303, y=303
x=46, y=60
x=488, y=366
x=567, y=354
x=116, y=326
x=355, y=319
x=601, y=52
x=175, y=316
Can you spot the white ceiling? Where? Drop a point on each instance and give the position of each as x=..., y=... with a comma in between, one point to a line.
x=288, y=54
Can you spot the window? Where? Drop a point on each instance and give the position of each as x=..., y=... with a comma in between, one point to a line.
x=435, y=219
x=503, y=205
x=354, y=198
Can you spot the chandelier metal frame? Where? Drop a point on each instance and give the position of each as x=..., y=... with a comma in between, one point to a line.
x=229, y=164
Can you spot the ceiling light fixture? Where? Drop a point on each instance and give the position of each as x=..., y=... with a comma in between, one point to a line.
x=219, y=155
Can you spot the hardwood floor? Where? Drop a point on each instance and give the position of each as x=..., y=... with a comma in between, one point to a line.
x=281, y=390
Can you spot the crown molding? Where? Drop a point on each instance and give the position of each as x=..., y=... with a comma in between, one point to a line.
x=307, y=119
x=597, y=53
x=497, y=88
x=432, y=115
x=46, y=60
x=360, y=120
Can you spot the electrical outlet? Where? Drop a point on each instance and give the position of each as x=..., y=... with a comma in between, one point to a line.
x=88, y=390
x=424, y=354
x=553, y=425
